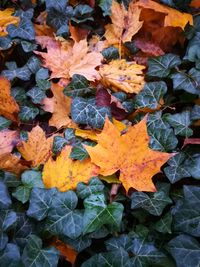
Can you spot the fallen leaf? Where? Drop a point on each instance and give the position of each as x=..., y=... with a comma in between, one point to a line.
x=173, y=17
x=87, y=134
x=70, y=172
x=77, y=33
x=122, y=75
x=11, y=163
x=37, y=149
x=128, y=153
x=125, y=24
x=8, y=106
x=195, y=3
x=8, y=139
x=149, y=48
x=6, y=19
x=43, y=30
x=191, y=141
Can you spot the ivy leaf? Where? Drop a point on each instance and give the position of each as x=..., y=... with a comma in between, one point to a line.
x=79, y=86
x=84, y=111
x=186, y=217
x=185, y=250
x=95, y=186
x=10, y=256
x=164, y=224
x=156, y=121
x=180, y=122
x=162, y=65
x=154, y=203
x=110, y=52
x=35, y=255
x=58, y=143
x=5, y=200
x=40, y=203
x=7, y=220
x=36, y=95
x=63, y=217
x=22, y=73
x=28, y=113
x=78, y=244
x=79, y=152
x=189, y=82
x=105, y=6
x=4, y=123
x=82, y=13
x=151, y=95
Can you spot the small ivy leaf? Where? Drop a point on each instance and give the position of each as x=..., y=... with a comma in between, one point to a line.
x=110, y=52
x=185, y=250
x=155, y=121
x=82, y=13
x=63, y=219
x=78, y=244
x=193, y=167
x=79, y=86
x=192, y=51
x=22, y=73
x=10, y=179
x=5, y=200
x=57, y=4
x=5, y=42
x=95, y=186
x=10, y=256
x=105, y=6
x=33, y=64
x=186, y=217
x=123, y=241
x=22, y=193
x=36, y=95
x=188, y=82
x=176, y=169
x=58, y=143
x=42, y=74
x=28, y=46
x=35, y=255
x=164, y=224
x=40, y=203
x=162, y=65
x=117, y=258
x=28, y=113
x=195, y=112
x=163, y=140
x=3, y=241
x=154, y=203
x=79, y=152
x=19, y=94
x=151, y=95
x=4, y=123
x=7, y=220
x=84, y=111
x=180, y=122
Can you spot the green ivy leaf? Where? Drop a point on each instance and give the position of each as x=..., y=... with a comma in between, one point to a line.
x=35, y=255
x=105, y=6
x=10, y=256
x=58, y=143
x=36, y=95
x=4, y=123
x=22, y=193
x=5, y=200
x=79, y=152
x=82, y=13
x=28, y=113
x=95, y=186
x=161, y=66
x=164, y=224
x=110, y=52
x=151, y=95
x=185, y=250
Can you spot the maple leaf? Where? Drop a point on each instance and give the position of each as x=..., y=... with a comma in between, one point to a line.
x=65, y=60
x=8, y=139
x=37, y=149
x=65, y=173
x=128, y=153
x=59, y=105
x=8, y=106
x=6, y=19
x=125, y=24
x=123, y=75
x=12, y=163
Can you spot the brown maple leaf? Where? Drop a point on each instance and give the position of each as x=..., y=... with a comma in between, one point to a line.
x=12, y=163
x=128, y=153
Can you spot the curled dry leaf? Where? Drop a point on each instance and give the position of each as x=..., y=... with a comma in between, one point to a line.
x=65, y=173
x=122, y=75
x=128, y=153
x=6, y=19
x=8, y=139
x=8, y=106
x=37, y=149
x=125, y=24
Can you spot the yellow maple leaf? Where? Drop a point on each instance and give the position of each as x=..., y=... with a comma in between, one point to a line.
x=8, y=139
x=128, y=153
x=37, y=149
x=65, y=60
x=122, y=75
x=8, y=106
x=125, y=23
x=6, y=19
x=65, y=173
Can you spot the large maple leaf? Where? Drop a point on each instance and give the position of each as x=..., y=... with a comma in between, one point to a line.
x=65, y=60
x=125, y=24
x=65, y=173
x=8, y=106
x=128, y=153
x=37, y=149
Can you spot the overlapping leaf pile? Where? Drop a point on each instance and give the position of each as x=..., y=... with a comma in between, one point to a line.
x=99, y=133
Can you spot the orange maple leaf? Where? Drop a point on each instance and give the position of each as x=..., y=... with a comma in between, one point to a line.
x=37, y=149
x=6, y=19
x=59, y=106
x=128, y=153
x=65, y=60
x=125, y=24
x=8, y=139
x=12, y=163
x=8, y=106
x=65, y=173
x=123, y=76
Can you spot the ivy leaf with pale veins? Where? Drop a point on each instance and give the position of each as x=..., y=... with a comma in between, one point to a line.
x=35, y=255
x=151, y=95
x=85, y=111
x=5, y=200
x=95, y=186
x=161, y=66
